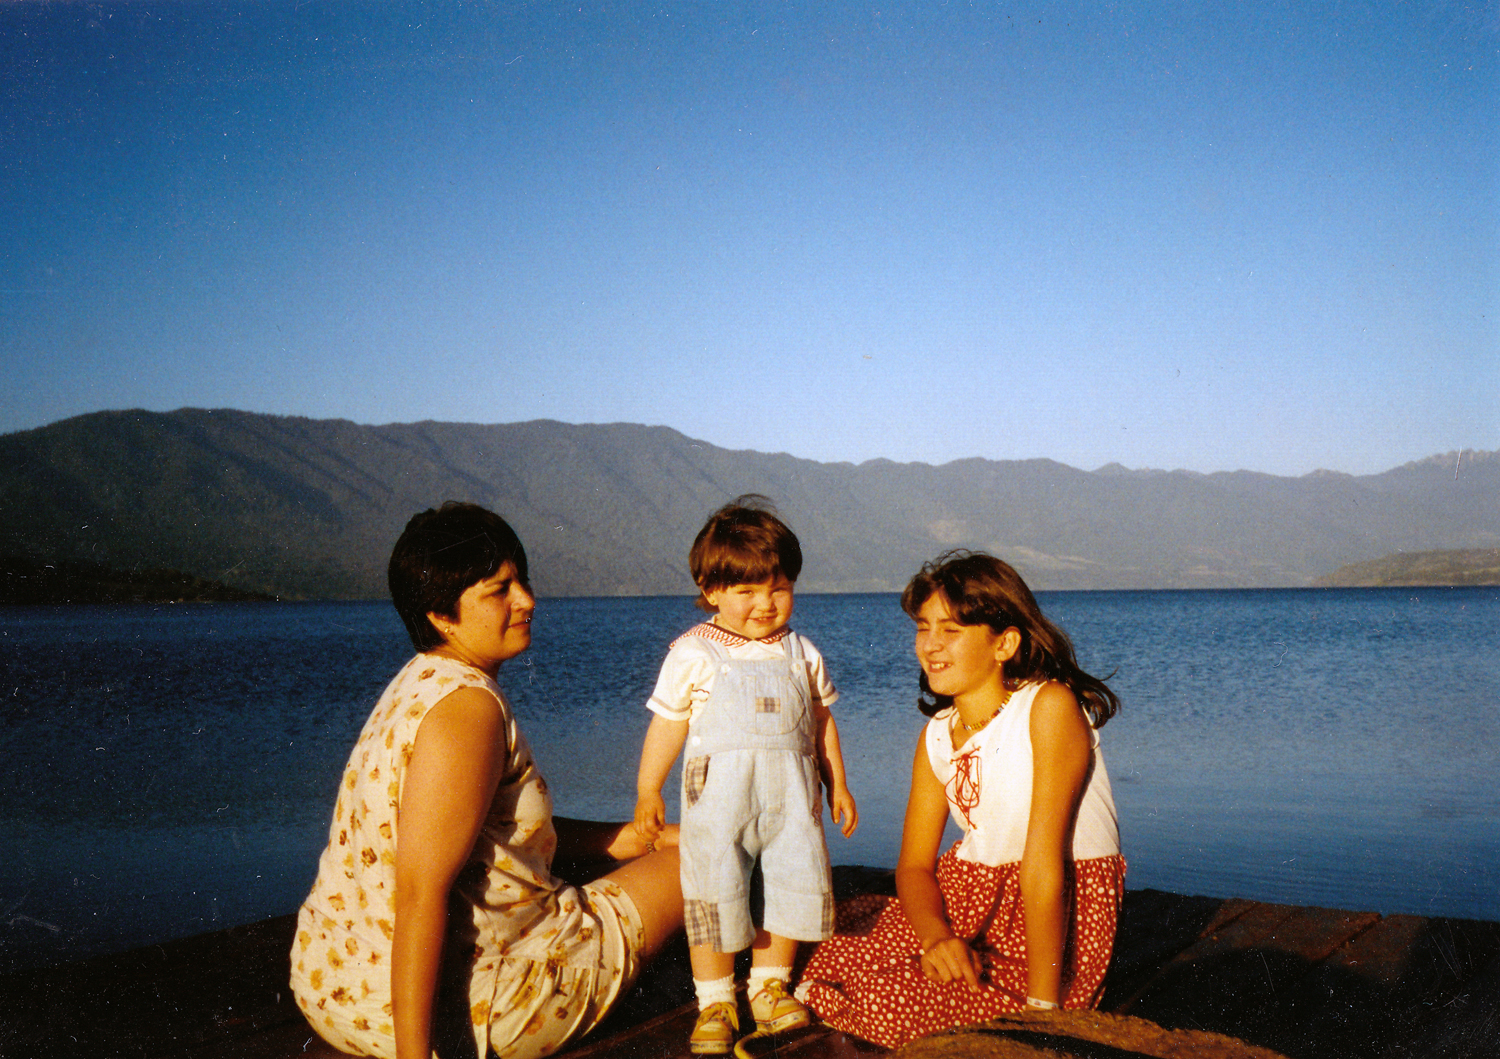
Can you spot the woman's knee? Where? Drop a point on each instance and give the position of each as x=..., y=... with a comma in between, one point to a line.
x=653, y=882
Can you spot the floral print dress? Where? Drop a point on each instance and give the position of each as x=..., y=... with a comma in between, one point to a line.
x=541, y=959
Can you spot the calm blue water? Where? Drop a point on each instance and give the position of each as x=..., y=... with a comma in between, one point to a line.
x=169, y=770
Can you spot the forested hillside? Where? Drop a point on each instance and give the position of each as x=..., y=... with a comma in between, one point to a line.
x=303, y=508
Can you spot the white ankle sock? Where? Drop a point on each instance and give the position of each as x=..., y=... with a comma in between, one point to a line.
x=714, y=991
x=758, y=976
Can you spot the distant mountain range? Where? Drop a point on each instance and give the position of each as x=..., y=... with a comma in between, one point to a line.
x=304, y=508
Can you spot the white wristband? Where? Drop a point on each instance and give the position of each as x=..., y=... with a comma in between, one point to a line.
x=1040, y=1005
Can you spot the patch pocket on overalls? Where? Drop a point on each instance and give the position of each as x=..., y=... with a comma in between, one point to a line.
x=776, y=705
x=694, y=778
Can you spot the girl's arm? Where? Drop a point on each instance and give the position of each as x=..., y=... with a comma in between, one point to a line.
x=450, y=782
x=831, y=760
x=945, y=957
x=1061, y=752
x=664, y=741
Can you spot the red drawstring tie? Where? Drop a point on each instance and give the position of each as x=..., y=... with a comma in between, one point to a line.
x=964, y=786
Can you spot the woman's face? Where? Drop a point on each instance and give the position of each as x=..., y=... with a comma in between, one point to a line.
x=493, y=622
x=959, y=660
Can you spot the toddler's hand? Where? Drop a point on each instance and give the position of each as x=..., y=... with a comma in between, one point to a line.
x=650, y=815
x=845, y=813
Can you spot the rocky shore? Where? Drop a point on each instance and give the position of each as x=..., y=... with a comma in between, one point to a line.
x=1192, y=976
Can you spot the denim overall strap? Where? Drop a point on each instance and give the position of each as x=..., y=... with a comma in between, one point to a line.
x=760, y=704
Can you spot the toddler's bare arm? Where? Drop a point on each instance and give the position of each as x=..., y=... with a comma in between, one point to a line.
x=664, y=740
x=831, y=762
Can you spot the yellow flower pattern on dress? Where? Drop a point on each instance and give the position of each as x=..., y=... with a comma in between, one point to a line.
x=538, y=948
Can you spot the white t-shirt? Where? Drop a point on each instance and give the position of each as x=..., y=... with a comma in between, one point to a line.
x=687, y=675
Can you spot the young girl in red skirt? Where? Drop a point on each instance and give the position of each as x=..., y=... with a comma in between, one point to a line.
x=1021, y=912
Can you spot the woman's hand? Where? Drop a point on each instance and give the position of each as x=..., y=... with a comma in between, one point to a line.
x=595, y=840
x=631, y=841
x=951, y=960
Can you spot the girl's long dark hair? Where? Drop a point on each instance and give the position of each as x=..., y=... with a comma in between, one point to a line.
x=983, y=590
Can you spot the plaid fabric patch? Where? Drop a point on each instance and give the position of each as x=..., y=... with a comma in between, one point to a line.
x=701, y=918
x=767, y=704
x=694, y=778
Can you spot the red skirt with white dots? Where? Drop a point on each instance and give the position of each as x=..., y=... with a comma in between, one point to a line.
x=867, y=980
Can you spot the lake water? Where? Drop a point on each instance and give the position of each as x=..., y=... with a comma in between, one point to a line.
x=166, y=770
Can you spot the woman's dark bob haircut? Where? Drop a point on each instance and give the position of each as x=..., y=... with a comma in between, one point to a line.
x=441, y=552
x=983, y=590
x=743, y=543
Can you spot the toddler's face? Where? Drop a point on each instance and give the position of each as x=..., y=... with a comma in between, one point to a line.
x=755, y=610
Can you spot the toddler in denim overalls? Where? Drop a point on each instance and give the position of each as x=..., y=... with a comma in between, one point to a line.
x=748, y=700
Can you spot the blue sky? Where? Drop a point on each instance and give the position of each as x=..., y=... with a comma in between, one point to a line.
x=1195, y=235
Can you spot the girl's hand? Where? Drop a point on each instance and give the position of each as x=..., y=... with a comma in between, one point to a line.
x=951, y=960
x=650, y=815
x=845, y=812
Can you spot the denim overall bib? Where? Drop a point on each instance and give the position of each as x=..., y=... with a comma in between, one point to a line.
x=750, y=788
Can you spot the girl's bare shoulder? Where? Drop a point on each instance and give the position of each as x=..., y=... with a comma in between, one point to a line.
x=1055, y=710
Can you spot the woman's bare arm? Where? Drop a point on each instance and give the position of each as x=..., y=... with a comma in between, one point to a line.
x=455, y=767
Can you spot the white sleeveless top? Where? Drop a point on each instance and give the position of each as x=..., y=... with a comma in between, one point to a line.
x=994, y=766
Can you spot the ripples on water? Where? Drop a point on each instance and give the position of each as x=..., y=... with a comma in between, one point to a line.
x=168, y=770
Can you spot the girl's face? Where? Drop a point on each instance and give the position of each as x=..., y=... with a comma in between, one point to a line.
x=962, y=661
x=493, y=622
